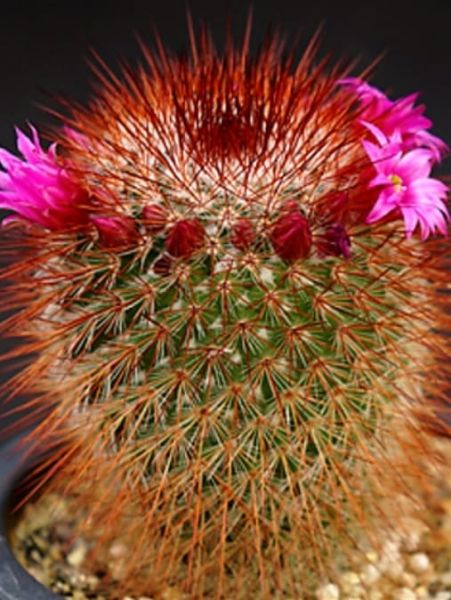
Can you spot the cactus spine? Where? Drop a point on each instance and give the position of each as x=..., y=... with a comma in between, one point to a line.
x=235, y=360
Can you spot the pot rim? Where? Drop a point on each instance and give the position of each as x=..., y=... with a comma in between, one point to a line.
x=15, y=582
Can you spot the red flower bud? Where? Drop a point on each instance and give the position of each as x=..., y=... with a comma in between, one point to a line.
x=154, y=218
x=162, y=266
x=291, y=235
x=116, y=231
x=335, y=242
x=243, y=234
x=185, y=238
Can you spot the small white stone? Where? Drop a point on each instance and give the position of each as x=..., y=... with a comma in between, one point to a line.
x=370, y=574
x=350, y=583
x=442, y=596
x=375, y=594
x=404, y=594
x=117, y=550
x=419, y=562
x=407, y=579
x=77, y=555
x=349, y=578
x=372, y=557
x=329, y=591
x=422, y=592
x=393, y=569
x=445, y=578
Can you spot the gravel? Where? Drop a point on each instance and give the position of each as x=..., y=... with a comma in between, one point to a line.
x=414, y=565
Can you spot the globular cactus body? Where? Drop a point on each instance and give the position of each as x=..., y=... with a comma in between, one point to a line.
x=234, y=358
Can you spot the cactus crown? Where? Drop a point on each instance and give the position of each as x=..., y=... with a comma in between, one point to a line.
x=231, y=341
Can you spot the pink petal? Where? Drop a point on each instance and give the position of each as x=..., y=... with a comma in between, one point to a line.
x=410, y=220
x=26, y=146
x=380, y=137
x=38, y=188
x=380, y=179
x=429, y=188
x=415, y=164
x=373, y=151
x=387, y=201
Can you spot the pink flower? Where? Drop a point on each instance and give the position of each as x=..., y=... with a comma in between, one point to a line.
x=405, y=185
x=39, y=189
x=374, y=103
x=396, y=116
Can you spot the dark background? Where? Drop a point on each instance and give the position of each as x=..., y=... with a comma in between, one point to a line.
x=44, y=45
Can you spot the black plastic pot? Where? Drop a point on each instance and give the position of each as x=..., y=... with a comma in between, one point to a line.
x=15, y=582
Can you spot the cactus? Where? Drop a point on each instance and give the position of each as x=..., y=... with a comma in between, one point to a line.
x=230, y=325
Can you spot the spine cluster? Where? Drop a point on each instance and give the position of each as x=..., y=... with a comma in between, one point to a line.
x=233, y=323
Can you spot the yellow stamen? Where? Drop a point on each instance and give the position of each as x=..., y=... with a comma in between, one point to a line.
x=397, y=182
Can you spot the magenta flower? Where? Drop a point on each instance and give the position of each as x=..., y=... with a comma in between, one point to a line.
x=374, y=103
x=406, y=186
x=396, y=116
x=39, y=189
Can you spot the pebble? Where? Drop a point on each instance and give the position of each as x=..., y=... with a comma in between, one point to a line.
x=329, y=591
x=411, y=566
x=407, y=580
x=349, y=579
x=419, y=562
x=445, y=578
x=369, y=575
x=442, y=596
x=393, y=569
x=118, y=550
x=372, y=557
x=77, y=555
x=404, y=593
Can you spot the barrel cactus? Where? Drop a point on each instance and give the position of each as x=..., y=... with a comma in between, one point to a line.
x=226, y=276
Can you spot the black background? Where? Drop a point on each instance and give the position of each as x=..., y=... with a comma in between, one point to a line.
x=44, y=45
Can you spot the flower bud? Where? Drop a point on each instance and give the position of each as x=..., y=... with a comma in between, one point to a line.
x=185, y=238
x=116, y=231
x=154, y=218
x=162, y=265
x=243, y=234
x=291, y=235
x=335, y=242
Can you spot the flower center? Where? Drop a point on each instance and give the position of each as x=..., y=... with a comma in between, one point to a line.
x=397, y=182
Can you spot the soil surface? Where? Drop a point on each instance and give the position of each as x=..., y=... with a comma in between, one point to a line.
x=409, y=567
